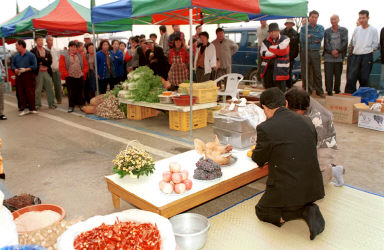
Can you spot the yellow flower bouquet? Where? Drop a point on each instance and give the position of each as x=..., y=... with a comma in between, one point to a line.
x=133, y=161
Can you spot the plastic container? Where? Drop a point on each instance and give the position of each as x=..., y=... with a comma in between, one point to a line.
x=39, y=208
x=211, y=112
x=205, y=95
x=181, y=120
x=236, y=139
x=183, y=100
x=233, y=124
x=165, y=99
x=135, y=112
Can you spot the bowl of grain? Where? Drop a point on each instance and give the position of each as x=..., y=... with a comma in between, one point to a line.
x=36, y=217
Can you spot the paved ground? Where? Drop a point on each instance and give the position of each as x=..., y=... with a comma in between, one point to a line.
x=63, y=158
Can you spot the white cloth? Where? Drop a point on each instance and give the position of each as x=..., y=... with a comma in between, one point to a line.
x=365, y=41
x=209, y=59
x=55, y=58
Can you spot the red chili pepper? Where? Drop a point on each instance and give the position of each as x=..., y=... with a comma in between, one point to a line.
x=121, y=235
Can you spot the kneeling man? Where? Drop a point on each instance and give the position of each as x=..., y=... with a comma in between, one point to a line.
x=287, y=142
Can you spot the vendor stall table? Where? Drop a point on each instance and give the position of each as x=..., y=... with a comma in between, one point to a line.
x=169, y=107
x=145, y=194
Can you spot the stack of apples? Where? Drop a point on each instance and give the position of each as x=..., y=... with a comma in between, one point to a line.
x=175, y=180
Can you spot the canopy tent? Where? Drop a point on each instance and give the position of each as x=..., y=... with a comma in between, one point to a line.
x=204, y=11
x=26, y=13
x=166, y=12
x=60, y=18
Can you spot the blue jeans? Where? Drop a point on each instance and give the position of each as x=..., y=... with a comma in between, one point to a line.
x=361, y=66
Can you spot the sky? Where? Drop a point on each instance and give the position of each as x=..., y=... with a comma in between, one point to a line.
x=346, y=9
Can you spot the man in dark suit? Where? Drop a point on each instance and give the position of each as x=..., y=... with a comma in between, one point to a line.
x=287, y=142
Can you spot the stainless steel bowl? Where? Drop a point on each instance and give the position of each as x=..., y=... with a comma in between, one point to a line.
x=190, y=230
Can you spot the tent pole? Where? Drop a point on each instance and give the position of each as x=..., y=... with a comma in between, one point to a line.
x=34, y=35
x=190, y=72
x=5, y=60
x=94, y=49
x=306, y=55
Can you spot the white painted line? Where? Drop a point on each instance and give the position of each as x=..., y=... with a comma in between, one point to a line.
x=98, y=132
x=184, y=144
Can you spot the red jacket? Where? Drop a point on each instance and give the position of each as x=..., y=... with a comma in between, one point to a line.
x=182, y=52
x=63, y=67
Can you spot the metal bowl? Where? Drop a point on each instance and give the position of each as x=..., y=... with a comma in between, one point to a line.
x=190, y=230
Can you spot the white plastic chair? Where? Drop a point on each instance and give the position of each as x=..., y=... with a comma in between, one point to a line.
x=231, y=85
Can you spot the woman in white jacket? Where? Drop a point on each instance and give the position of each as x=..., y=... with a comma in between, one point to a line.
x=205, y=59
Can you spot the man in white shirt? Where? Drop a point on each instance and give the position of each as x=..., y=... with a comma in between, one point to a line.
x=365, y=40
x=55, y=68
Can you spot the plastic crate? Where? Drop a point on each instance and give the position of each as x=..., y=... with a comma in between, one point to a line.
x=210, y=113
x=180, y=120
x=205, y=95
x=135, y=112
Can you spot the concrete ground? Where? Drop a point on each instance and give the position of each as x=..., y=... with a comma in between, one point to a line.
x=63, y=158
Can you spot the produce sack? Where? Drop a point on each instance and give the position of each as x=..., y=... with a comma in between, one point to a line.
x=97, y=100
x=168, y=242
x=89, y=109
x=109, y=108
x=367, y=94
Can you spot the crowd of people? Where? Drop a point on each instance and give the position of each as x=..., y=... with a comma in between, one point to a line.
x=44, y=66
x=279, y=49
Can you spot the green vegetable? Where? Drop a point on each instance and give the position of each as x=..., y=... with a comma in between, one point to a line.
x=149, y=86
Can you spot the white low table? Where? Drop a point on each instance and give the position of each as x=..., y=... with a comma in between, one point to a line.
x=145, y=194
x=169, y=107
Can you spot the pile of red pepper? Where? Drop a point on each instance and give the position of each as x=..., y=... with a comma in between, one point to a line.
x=121, y=235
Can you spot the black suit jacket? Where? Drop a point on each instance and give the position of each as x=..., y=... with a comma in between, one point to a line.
x=287, y=141
x=45, y=61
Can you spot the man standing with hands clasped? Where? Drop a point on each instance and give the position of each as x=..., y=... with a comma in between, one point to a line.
x=335, y=49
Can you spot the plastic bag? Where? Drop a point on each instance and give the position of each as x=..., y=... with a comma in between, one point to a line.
x=65, y=241
x=367, y=94
x=251, y=112
x=8, y=233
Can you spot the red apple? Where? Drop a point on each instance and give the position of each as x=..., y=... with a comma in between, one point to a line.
x=174, y=167
x=167, y=176
x=185, y=174
x=177, y=178
x=167, y=188
x=188, y=184
x=180, y=188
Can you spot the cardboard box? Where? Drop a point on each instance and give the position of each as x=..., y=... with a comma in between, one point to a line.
x=342, y=108
x=371, y=119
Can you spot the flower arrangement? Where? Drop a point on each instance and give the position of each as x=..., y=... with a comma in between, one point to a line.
x=133, y=161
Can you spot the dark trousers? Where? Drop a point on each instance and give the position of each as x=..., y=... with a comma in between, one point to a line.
x=268, y=79
x=333, y=70
x=289, y=82
x=75, y=87
x=103, y=85
x=90, y=86
x=361, y=66
x=201, y=77
x=25, y=90
x=314, y=69
x=274, y=214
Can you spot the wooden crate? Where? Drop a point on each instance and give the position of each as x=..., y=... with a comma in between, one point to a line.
x=181, y=120
x=139, y=113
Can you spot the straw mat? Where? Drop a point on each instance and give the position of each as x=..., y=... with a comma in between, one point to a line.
x=354, y=219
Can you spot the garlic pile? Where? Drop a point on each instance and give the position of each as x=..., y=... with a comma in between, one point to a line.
x=109, y=108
